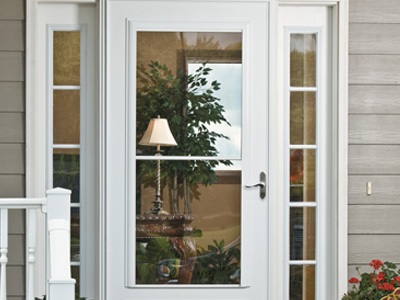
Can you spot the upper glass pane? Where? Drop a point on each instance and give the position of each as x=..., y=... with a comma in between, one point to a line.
x=303, y=60
x=302, y=118
x=66, y=57
x=194, y=81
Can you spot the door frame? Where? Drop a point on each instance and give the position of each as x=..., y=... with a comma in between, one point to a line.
x=35, y=163
x=339, y=140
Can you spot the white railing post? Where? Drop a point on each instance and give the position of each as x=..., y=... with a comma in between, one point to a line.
x=31, y=252
x=60, y=285
x=3, y=252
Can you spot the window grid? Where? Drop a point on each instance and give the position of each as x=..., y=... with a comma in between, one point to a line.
x=302, y=235
x=67, y=148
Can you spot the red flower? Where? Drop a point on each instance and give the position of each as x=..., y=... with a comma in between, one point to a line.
x=376, y=264
x=396, y=278
x=387, y=286
x=354, y=280
x=380, y=276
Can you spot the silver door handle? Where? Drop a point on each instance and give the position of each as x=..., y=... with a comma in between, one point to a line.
x=262, y=185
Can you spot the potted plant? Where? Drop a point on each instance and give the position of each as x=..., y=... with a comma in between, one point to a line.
x=382, y=283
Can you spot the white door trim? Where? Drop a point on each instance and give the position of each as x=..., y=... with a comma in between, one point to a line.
x=339, y=142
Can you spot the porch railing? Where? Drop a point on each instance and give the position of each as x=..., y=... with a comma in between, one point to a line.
x=56, y=207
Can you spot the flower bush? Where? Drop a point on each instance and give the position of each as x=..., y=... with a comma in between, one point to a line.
x=382, y=283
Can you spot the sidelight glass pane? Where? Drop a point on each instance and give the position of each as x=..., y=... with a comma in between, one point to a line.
x=66, y=57
x=195, y=239
x=302, y=175
x=194, y=80
x=302, y=233
x=303, y=60
x=302, y=282
x=302, y=118
x=66, y=172
x=66, y=117
x=75, y=273
x=75, y=234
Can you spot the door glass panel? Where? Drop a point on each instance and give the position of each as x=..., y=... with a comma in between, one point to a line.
x=66, y=117
x=75, y=234
x=303, y=105
x=302, y=118
x=302, y=233
x=66, y=57
x=303, y=60
x=302, y=175
x=66, y=140
x=188, y=208
x=302, y=282
x=66, y=171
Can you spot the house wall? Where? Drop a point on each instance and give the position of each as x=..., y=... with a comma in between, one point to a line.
x=12, y=140
x=374, y=131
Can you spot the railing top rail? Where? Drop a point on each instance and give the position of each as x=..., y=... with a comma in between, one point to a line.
x=27, y=203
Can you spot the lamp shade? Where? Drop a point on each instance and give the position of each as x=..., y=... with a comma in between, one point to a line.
x=158, y=134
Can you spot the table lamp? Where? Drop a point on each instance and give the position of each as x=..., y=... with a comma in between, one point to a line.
x=158, y=134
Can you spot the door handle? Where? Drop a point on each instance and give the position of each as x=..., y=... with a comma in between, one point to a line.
x=262, y=185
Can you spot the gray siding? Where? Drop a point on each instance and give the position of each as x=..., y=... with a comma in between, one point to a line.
x=12, y=133
x=374, y=131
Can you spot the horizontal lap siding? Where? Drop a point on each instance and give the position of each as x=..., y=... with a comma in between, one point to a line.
x=12, y=134
x=374, y=132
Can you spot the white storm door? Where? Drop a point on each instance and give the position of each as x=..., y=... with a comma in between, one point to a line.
x=202, y=67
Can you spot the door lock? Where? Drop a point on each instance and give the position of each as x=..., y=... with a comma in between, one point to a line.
x=262, y=185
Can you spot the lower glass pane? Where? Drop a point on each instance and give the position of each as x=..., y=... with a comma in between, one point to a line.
x=195, y=237
x=302, y=282
x=302, y=233
x=75, y=234
x=75, y=273
x=66, y=171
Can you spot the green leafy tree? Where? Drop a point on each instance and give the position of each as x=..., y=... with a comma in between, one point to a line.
x=189, y=104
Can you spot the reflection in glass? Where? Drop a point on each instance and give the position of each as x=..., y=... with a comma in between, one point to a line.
x=66, y=117
x=75, y=273
x=302, y=175
x=75, y=234
x=302, y=233
x=195, y=83
x=229, y=75
x=302, y=118
x=205, y=211
x=66, y=57
x=66, y=172
x=194, y=80
x=302, y=282
x=303, y=60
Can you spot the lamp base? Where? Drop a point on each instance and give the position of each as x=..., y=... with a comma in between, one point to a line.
x=157, y=208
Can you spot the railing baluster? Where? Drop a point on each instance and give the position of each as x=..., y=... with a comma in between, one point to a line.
x=31, y=253
x=3, y=252
x=59, y=284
